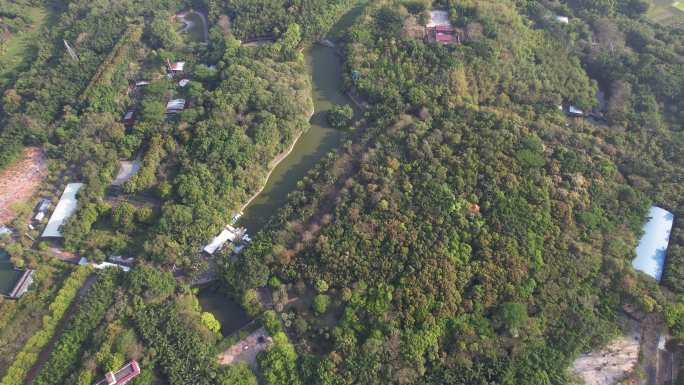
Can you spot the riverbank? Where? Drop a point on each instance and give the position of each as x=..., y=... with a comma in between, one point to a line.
x=275, y=162
x=325, y=67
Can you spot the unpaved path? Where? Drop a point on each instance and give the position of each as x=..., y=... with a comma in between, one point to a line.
x=20, y=180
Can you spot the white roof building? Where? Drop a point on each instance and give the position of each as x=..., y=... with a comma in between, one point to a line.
x=177, y=66
x=103, y=265
x=229, y=234
x=65, y=208
x=175, y=105
x=438, y=17
x=183, y=82
x=218, y=241
x=563, y=19
x=575, y=111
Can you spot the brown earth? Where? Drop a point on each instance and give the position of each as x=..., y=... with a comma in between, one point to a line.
x=20, y=180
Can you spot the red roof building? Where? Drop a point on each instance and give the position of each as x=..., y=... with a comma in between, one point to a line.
x=444, y=38
x=121, y=376
x=444, y=28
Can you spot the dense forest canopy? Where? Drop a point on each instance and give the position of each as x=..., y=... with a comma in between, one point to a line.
x=468, y=231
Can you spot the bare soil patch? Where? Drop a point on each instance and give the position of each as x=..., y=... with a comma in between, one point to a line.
x=20, y=180
x=246, y=350
x=613, y=363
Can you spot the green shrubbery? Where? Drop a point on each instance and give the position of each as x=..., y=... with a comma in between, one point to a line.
x=72, y=342
x=27, y=357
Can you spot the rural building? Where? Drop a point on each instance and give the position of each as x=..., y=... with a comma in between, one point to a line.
x=129, y=118
x=175, y=105
x=65, y=208
x=103, y=265
x=652, y=248
x=175, y=68
x=121, y=376
x=22, y=285
x=41, y=210
x=229, y=234
x=120, y=260
x=217, y=243
x=563, y=19
x=183, y=82
x=574, y=111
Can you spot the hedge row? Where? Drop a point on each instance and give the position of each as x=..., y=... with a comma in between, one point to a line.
x=27, y=357
x=117, y=55
x=91, y=311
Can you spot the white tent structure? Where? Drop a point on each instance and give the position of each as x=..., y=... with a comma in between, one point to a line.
x=65, y=208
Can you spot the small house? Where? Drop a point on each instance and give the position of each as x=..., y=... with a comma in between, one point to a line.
x=122, y=376
x=563, y=19
x=103, y=265
x=574, y=111
x=183, y=82
x=175, y=68
x=175, y=105
x=444, y=38
x=41, y=210
x=444, y=28
x=129, y=118
x=120, y=260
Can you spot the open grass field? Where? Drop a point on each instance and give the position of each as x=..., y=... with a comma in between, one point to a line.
x=13, y=51
x=667, y=12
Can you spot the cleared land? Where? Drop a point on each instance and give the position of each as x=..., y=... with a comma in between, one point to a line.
x=127, y=168
x=20, y=180
x=612, y=363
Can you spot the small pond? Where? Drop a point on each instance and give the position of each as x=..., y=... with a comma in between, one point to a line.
x=228, y=312
x=652, y=247
x=8, y=275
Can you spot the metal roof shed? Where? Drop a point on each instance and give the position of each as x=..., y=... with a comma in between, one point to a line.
x=65, y=208
x=227, y=235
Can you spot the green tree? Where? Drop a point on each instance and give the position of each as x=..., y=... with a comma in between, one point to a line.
x=211, y=322
x=340, y=116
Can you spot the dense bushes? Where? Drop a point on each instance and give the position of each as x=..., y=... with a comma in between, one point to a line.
x=472, y=224
x=90, y=313
x=257, y=18
x=183, y=356
x=27, y=357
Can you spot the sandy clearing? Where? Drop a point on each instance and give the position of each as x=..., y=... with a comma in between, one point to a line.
x=612, y=363
x=20, y=180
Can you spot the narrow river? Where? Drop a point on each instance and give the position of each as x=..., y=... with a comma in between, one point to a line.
x=326, y=72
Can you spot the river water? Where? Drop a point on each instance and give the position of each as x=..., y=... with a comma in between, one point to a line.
x=326, y=73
